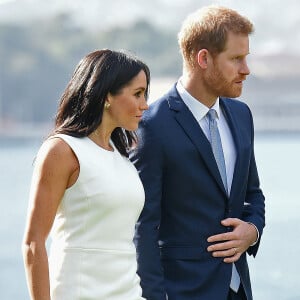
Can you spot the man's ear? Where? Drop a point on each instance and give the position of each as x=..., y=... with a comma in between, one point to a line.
x=202, y=58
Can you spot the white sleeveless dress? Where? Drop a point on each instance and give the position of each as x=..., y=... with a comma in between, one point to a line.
x=92, y=254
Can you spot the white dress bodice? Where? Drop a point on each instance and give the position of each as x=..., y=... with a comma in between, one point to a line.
x=92, y=253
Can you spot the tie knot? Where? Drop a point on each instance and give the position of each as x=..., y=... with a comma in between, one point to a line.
x=212, y=114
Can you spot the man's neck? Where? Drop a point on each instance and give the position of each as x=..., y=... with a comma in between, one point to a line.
x=193, y=84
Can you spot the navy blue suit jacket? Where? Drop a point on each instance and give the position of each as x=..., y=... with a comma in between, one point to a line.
x=186, y=201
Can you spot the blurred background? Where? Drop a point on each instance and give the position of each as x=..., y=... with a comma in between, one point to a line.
x=42, y=41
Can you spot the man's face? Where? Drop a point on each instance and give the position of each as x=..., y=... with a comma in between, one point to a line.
x=228, y=69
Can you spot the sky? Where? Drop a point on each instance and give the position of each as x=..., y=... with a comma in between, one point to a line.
x=276, y=22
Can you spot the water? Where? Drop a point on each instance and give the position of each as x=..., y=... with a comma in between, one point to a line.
x=274, y=271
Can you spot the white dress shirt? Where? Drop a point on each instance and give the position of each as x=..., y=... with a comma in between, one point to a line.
x=200, y=111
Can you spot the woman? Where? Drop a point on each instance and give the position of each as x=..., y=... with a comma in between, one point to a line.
x=85, y=190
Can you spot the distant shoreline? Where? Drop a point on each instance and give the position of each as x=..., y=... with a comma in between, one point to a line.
x=19, y=136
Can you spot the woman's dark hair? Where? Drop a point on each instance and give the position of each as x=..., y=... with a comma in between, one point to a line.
x=81, y=105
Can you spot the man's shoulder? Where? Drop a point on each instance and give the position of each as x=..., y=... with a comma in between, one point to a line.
x=161, y=106
x=238, y=110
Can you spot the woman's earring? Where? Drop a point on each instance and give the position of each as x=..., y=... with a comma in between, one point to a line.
x=106, y=105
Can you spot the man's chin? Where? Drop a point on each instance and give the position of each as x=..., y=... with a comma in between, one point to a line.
x=233, y=94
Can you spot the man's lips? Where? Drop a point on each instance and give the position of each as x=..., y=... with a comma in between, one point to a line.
x=240, y=80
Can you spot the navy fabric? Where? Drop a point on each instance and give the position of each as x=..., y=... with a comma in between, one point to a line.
x=186, y=201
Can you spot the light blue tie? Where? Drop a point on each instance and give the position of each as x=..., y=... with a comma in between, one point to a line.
x=216, y=145
x=217, y=149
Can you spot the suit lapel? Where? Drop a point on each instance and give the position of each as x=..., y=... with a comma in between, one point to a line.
x=238, y=168
x=193, y=130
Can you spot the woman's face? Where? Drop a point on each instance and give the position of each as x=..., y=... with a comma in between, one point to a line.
x=127, y=106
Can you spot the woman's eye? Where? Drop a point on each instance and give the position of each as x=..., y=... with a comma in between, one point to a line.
x=238, y=58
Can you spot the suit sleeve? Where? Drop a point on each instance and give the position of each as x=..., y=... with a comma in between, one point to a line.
x=254, y=207
x=148, y=159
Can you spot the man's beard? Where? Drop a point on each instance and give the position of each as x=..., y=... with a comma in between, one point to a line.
x=217, y=84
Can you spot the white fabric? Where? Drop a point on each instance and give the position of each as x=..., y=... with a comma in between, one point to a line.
x=200, y=111
x=92, y=253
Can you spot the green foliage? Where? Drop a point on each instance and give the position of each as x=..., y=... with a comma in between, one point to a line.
x=37, y=61
x=157, y=48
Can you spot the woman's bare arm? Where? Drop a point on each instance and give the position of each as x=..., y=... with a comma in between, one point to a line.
x=56, y=168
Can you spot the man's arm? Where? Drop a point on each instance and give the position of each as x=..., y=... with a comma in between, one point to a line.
x=148, y=159
x=254, y=204
x=244, y=236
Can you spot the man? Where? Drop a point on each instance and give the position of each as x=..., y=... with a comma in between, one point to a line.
x=204, y=208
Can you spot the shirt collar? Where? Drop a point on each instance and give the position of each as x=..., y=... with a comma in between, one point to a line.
x=216, y=107
x=198, y=109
